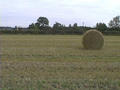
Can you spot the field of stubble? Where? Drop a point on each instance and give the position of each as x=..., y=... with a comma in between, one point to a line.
x=46, y=62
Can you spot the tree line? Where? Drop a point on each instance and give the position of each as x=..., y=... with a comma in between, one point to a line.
x=41, y=26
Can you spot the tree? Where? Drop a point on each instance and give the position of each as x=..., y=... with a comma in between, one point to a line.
x=37, y=25
x=75, y=25
x=70, y=25
x=101, y=26
x=57, y=25
x=43, y=21
x=115, y=23
x=32, y=26
x=16, y=28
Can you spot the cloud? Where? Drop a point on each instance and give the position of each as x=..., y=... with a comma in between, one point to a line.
x=24, y=12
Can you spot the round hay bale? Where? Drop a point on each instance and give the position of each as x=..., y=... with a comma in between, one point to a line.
x=93, y=39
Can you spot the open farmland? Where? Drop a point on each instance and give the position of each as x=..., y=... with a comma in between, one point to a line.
x=58, y=62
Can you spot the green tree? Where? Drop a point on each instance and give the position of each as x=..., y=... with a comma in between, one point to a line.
x=32, y=26
x=43, y=22
x=115, y=23
x=37, y=25
x=57, y=25
x=101, y=27
x=75, y=25
x=70, y=26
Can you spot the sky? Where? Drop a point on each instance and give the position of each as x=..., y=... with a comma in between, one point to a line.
x=24, y=12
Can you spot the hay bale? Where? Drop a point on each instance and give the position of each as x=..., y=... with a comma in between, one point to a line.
x=93, y=39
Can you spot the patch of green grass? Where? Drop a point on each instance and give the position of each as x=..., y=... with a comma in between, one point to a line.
x=58, y=62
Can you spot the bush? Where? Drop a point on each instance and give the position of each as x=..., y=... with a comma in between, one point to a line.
x=93, y=39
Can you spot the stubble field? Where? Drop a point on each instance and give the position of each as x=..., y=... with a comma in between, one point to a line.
x=58, y=62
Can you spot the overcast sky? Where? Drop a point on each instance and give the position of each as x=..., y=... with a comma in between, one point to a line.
x=25, y=12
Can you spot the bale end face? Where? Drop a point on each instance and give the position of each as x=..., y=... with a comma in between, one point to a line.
x=93, y=39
